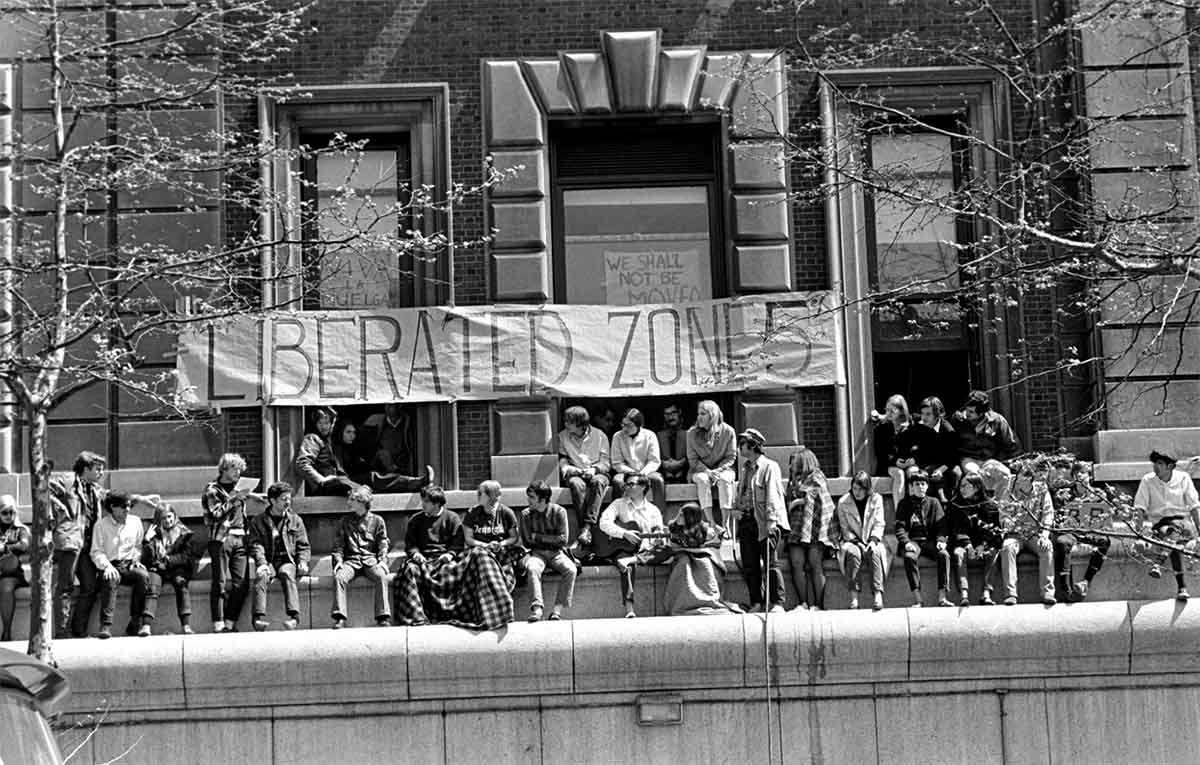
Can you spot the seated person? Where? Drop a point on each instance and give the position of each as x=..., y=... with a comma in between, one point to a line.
x=584, y=466
x=316, y=462
x=860, y=536
x=921, y=530
x=936, y=443
x=635, y=451
x=694, y=586
x=1076, y=506
x=438, y=584
x=811, y=516
x=985, y=442
x=280, y=549
x=492, y=526
x=14, y=547
x=348, y=453
x=544, y=528
x=393, y=466
x=895, y=445
x=639, y=524
x=171, y=556
x=117, y=552
x=360, y=548
x=712, y=452
x=1168, y=501
x=1027, y=519
x=973, y=528
x=672, y=445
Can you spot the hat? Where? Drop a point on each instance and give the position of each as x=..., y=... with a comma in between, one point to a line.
x=1157, y=456
x=753, y=435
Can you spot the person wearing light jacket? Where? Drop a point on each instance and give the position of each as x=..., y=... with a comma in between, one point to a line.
x=860, y=533
x=117, y=553
x=761, y=521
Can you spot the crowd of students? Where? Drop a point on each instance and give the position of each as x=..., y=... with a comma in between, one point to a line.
x=960, y=498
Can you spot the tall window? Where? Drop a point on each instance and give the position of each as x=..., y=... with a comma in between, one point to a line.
x=637, y=213
x=357, y=201
x=921, y=338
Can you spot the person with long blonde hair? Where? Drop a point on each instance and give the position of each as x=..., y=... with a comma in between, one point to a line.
x=711, y=453
x=895, y=444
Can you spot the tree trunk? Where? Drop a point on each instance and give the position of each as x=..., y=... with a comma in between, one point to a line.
x=41, y=599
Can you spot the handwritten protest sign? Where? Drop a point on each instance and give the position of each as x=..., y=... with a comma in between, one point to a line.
x=500, y=351
x=636, y=276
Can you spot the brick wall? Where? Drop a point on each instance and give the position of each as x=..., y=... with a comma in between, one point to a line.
x=243, y=434
x=444, y=41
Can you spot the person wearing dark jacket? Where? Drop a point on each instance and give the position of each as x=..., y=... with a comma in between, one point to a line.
x=279, y=546
x=895, y=443
x=316, y=462
x=360, y=548
x=936, y=443
x=973, y=521
x=14, y=547
x=170, y=556
x=76, y=507
x=921, y=530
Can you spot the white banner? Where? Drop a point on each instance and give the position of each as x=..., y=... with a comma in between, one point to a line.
x=501, y=351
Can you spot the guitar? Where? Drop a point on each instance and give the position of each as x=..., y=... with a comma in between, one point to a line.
x=604, y=546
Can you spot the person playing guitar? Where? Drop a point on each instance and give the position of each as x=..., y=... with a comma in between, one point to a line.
x=636, y=535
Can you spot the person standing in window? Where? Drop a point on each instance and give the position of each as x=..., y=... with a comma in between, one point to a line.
x=672, y=445
x=14, y=546
x=393, y=467
x=170, y=556
x=860, y=536
x=895, y=446
x=346, y=451
x=544, y=528
x=225, y=517
x=762, y=521
x=712, y=452
x=279, y=545
x=985, y=442
x=76, y=509
x=1168, y=501
x=635, y=452
x=583, y=464
x=811, y=516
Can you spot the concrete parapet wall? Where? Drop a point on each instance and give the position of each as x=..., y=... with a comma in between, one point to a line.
x=1023, y=684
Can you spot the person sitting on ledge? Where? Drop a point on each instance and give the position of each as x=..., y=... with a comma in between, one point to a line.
x=544, y=528
x=633, y=521
x=584, y=466
x=712, y=454
x=170, y=556
x=493, y=526
x=985, y=442
x=1027, y=519
x=860, y=532
x=14, y=545
x=360, y=548
x=117, y=552
x=635, y=451
x=694, y=586
x=672, y=445
x=1168, y=501
x=279, y=546
x=1073, y=504
x=973, y=522
x=921, y=530
x=316, y=463
x=394, y=463
x=436, y=584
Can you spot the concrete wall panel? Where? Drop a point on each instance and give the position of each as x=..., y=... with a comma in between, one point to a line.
x=416, y=739
x=760, y=216
x=496, y=737
x=766, y=268
x=1142, y=353
x=448, y=662
x=513, y=115
x=1170, y=404
x=524, y=429
x=525, y=173
x=908, y=726
x=1165, y=636
x=1129, y=92
x=831, y=730
x=1124, y=725
x=520, y=276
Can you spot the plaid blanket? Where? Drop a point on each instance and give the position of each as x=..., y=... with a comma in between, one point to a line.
x=472, y=590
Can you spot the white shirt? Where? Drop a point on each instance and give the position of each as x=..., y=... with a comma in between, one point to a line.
x=113, y=542
x=1160, y=498
x=646, y=515
x=640, y=453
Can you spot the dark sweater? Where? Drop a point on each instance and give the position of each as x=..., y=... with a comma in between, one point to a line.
x=974, y=521
x=434, y=535
x=891, y=446
x=920, y=520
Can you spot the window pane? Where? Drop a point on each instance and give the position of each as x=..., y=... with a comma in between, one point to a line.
x=914, y=234
x=637, y=245
x=357, y=201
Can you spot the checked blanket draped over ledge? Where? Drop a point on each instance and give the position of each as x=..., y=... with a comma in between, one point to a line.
x=472, y=590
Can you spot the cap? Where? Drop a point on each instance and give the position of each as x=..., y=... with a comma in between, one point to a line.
x=753, y=435
x=1157, y=456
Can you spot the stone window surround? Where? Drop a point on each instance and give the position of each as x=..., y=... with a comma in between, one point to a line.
x=422, y=110
x=983, y=97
